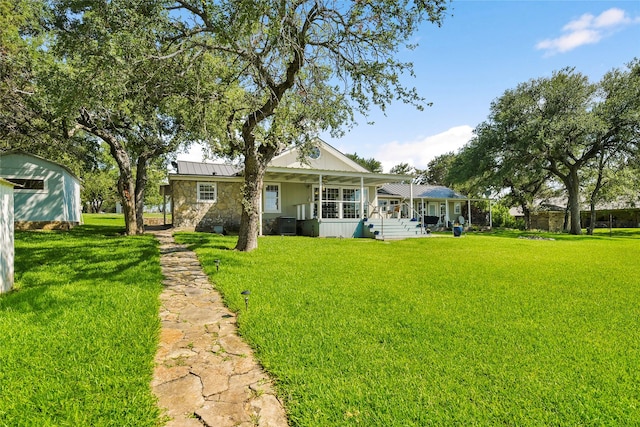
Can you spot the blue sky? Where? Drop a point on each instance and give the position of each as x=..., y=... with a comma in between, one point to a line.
x=482, y=49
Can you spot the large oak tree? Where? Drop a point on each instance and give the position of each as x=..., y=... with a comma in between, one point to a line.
x=558, y=125
x=302, y=67
x=116, y=82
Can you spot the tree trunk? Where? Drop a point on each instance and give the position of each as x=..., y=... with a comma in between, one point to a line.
x=126, y=185
x=592, y=218
x=573, y=190
x=251, y=195
x=602, y=160
x=526, y=213
x=141, y=185
x=127, y=190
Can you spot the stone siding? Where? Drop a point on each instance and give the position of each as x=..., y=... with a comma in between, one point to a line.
x=203, y=216
x=45, y=225
x=548, y=221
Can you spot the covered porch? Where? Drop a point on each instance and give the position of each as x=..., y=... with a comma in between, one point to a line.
x=323, y=203
x=432, y=206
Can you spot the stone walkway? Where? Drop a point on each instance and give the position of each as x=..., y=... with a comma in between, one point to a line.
x=205, y=375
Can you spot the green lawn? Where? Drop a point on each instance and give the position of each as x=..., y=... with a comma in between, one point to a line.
x=478, y=330
x=79, y=333
x=483, y=329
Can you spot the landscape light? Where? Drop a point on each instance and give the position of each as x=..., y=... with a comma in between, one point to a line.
x=246, y=298
x=217, y=261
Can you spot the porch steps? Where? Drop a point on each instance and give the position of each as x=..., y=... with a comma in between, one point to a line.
x=393, y=228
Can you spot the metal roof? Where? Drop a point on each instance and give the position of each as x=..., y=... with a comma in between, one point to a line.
x=204, y=169
x=289, y=174
x=419, y=191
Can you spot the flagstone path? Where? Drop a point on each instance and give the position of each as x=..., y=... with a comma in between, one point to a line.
x=205, y=375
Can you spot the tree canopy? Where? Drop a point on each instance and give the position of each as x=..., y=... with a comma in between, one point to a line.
x=300, y=68
x=554, y=127
x=370, y=164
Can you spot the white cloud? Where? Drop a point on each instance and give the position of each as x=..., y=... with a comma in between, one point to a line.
x=419, y=153
x=612, y=18
x=570, y=41
x=588, y=29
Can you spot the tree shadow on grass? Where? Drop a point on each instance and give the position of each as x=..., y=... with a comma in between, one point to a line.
x=86, y=260
x=197, y=240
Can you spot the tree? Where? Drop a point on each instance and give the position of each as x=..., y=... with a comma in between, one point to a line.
x=488, y=164
x=618, y=115
x=559, y=125
x=403, y=169
x=19, y=43
x=370, y=164
x=437, y=169
x=302, y=67
x=117, y=82
x=98, y=187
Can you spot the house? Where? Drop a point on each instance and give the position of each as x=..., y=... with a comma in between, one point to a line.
x=326, y=195
x=6, y=236
x=47, y=194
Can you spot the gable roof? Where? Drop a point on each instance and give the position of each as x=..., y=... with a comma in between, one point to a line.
x=329, y=159
x=24, y=153
x=419, y=191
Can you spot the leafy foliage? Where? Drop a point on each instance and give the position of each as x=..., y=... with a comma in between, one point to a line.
x=300, y=68
x=370, y=164
x=554, y=127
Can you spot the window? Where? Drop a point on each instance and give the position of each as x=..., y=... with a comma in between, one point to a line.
x=351, y=204
x=456, y=208
x=339, y=202
x=272, y=198
x=207, y=192
x=27, y=184
x=330, y=205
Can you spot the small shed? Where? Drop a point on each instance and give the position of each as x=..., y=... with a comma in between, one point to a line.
x=6, y=236
x=47, y=194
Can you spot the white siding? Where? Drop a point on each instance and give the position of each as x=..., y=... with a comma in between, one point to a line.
x=6, y=236
x=60, y=199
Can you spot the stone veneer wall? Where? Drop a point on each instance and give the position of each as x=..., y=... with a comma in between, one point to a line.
x=203, y=216
x=549, y=221
x=44, y=225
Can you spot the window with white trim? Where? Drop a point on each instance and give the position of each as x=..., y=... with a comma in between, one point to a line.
x=456, y=208
x=207, y=192
x=340, y=202
x=272, y=198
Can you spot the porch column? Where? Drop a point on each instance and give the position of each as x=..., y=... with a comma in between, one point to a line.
x=361, y=197
x=411, y=199
x=320, y=197
x=422, y=214
x=446, y=212
x=260, y=217
x=164, y=205
x=490, y=217
x=469, y=210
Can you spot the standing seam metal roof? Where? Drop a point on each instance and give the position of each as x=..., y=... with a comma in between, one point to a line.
x=420, y=191
x=204, y=169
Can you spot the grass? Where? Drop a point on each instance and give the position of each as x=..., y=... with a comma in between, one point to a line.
x=479, y=330
x=79, y=333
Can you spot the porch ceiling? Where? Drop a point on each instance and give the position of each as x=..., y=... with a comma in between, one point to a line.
x=331, y=177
